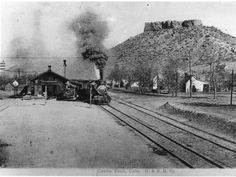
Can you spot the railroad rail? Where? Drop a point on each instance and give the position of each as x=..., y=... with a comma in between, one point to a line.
x=150, y=139
x=173, y=122
x=178, y=150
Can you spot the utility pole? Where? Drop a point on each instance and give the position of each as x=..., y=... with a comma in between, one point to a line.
x=232, y=87
x=190, y=71
x=176, y=80
x=90, y=93
x=46, y=94
x=64, y=64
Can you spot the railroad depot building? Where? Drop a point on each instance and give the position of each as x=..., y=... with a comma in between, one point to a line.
x=49, y=82
x=78, y=72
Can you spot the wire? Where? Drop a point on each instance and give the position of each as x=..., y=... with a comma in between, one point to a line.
x=40, y=57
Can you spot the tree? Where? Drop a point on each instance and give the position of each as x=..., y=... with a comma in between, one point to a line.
x=171, y=75
x=115, y=74
x=119, y=74
x=124, y=73
x=214, y=53
x=143, y=74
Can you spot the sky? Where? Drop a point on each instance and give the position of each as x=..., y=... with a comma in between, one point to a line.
x=48, y=22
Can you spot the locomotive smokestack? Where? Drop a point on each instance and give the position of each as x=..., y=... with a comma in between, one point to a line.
x=49, y=67
x=64, y=65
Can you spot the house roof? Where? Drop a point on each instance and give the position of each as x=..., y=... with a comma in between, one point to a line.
x=194, y=79
x=50, y=73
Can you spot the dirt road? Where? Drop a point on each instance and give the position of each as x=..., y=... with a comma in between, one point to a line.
x=70, y=134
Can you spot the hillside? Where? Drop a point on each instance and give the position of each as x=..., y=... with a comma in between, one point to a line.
x=162, y=40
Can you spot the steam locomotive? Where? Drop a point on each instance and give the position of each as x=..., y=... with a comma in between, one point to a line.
x=87, y=91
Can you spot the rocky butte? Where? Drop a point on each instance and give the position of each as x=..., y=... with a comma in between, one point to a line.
x=163, y=40
x=156, y=26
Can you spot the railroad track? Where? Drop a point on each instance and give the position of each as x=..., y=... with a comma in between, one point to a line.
x=181, y=125
x=189, y=156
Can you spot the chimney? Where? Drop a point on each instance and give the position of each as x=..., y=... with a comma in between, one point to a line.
x=49, y=67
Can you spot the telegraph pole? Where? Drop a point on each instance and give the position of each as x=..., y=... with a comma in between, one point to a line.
x=190, y=71
x=46, y=94
x=64, y=64
x=90, y=93
x=176, y=80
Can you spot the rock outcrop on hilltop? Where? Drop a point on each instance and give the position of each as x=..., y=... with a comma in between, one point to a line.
x=156, y=26
x=162, y=40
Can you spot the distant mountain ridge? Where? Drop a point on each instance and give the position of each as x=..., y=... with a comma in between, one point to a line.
x=161, y=40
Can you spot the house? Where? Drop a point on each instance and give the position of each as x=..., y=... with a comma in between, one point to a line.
x=47, y=82
x=134, y=86
x=200, y=86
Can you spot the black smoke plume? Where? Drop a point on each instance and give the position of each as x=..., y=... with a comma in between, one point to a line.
x=91, y=31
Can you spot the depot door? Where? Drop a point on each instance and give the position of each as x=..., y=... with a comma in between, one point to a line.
x=51, y=90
